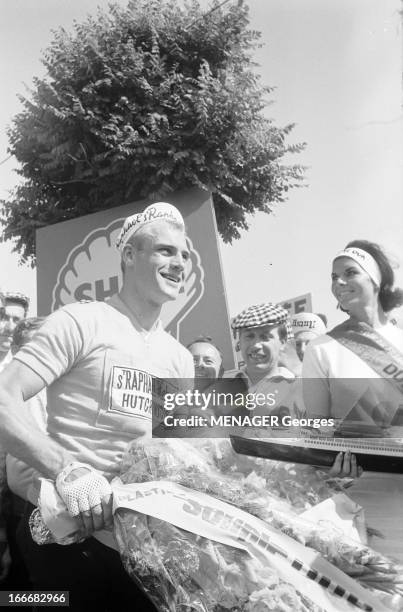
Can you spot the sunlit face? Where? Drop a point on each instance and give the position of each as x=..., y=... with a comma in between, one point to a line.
x=13, y=313
x=260, y=348
x=156, y=266
x=207, y=360
x=351, y=285
x=301, y=342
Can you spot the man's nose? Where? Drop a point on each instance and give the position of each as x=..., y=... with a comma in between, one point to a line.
x=178, y=262
x=10, y=326
x=256, y=344
x=302, y=347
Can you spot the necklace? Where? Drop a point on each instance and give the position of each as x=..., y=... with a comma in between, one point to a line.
x=143, y=330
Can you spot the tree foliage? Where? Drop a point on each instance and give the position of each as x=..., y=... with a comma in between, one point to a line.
x=138, y=102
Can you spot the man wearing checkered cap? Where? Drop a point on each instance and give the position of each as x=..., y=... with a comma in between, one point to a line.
x=97, y=361
x=262, y=331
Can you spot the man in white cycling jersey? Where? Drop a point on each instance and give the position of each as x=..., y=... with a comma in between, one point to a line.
x=97, y=361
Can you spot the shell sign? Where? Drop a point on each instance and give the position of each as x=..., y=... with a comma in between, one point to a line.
x=77, y=260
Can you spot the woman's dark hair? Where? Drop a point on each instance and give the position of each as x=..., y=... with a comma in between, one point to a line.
x=389, y=297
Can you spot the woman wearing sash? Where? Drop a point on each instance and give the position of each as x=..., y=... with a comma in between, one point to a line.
x=352, y=372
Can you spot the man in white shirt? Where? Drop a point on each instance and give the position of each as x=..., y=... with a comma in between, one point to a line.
x=306, y=326
x=97, y=361
x=262, y=331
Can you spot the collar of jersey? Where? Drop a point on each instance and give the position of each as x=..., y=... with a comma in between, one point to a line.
x=281, y=374
x=116, y=302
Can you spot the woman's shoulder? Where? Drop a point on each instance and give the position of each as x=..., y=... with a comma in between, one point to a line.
x=319, y=355
x=321, y=341
x=394, y=334
x=330, y=338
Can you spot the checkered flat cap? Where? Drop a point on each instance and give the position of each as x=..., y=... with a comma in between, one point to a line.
x=263, y=314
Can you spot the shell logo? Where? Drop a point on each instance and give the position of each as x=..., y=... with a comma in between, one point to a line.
x=92, y=272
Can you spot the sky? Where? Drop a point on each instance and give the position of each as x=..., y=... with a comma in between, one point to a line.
x=336, y=66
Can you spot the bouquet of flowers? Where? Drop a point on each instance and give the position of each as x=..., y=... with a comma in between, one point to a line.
x=303, y=487
x=182, y=570
x=178, y=505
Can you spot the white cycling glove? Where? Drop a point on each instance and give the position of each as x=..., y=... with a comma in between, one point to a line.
x=83, y=493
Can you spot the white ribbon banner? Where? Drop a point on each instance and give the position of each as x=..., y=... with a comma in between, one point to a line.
x=301, y=566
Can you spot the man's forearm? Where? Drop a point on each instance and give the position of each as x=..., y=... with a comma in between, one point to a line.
x=3, y=483
x=32, y=446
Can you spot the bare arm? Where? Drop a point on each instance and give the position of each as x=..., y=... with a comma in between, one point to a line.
x=56, y=348
x=5, y=559
x=17, y=384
